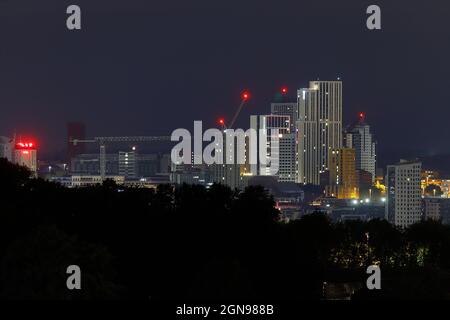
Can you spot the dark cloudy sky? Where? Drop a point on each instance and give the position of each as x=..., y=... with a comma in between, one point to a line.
x=148, y=67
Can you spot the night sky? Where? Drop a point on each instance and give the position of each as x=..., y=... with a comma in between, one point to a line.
x=148, y=67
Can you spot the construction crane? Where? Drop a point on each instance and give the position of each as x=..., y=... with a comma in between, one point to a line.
x=245, y=96
x=102, y=141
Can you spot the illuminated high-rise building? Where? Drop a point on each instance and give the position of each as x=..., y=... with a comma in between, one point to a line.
x=288, y=143
x=267, y=126
x=287, y=171
x=404, y=195
x=361, y=139
x=25, y=154
x=128, y=164
x=343, y=182
x=319, y=128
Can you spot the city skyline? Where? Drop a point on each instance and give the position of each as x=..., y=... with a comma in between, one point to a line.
x=347, y=134
x=225, y=157
x=170, y=55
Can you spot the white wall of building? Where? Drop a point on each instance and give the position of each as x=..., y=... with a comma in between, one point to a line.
x=404, y=194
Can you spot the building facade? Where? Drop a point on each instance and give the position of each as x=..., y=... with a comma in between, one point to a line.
x=288, y=171
x=343, y=181
x=319, y=128
x=229, y=172
x=286, y=109
x=25, y=154
x=436, y=208
x=272, y=128
x=361, y=139
x=89, y=181
x=134, y=165
x=431, y=209
x=128, y=166
x=403, y=197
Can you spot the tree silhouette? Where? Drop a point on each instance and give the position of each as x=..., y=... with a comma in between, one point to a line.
x=194, y=242
x=34, y=267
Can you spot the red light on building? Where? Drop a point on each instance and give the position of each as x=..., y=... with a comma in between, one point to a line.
x=25, y=146
x=245, y=95
x=25, y=154
x=221, y=121
x=362, y=116
x=284, y=90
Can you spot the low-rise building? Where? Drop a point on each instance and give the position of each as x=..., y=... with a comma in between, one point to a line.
x=436, y=208
x=87, y=181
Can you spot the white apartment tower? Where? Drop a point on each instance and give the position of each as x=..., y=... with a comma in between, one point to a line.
x=361, y=139
x=319, y=128
x=128, y=164
x=288, y=171
x=273, y=125
x=403, y=201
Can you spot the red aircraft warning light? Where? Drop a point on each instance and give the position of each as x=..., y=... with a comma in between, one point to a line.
x=221, y=121
x=25, y=146
x=245, y=95
x=362, y=116
x=284, y=90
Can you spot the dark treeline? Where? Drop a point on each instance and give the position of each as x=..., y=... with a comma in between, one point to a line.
x=193, y=243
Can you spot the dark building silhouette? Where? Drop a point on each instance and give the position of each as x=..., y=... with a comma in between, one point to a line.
x=365, y=183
